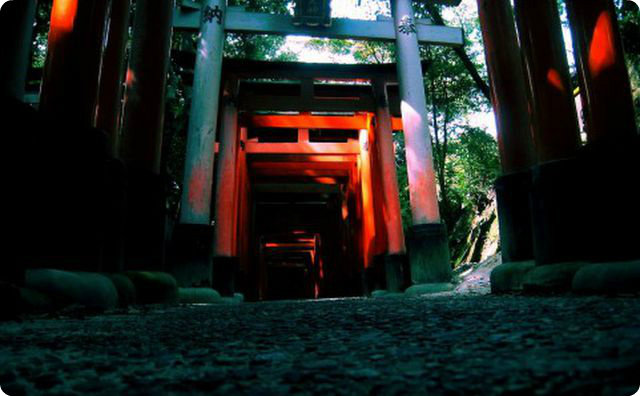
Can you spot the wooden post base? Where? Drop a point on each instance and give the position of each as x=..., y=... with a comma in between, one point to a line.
x=514, y=214
x=191, y=254
x=428, y=250
x=224, y=275
x=556, y=214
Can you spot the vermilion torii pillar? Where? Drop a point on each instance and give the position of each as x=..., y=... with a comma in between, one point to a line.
x=71, y=73
x=555, y=123
x=392, y=214
x=604, y=79
x=428, y=251
x=203, y=118
x=555, y=212
x=509, y=99
x=146, y=77
x=611, y=159
x=16, y=29
x=111, y=78
x=142, y=129
x=366, y=185
x=224, y=260
x=508, y=86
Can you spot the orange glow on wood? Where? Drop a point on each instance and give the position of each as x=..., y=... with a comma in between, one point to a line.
x=553, y=78
x=396, y=123
x=368, y=211
x=602, y=53
x=357, y=121
x=130, y=78
x=351, y=147
x=63, y=15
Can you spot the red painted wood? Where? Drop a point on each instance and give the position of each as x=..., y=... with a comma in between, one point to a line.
x=72, y=68
x=508, y=87
x=604, y=79
x=556, y=132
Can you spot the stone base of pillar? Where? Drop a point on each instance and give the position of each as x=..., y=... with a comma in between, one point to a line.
x=586, y=209
x=509, y=277
x=556, y=213
x=387, y=273
x=146, y=221
x=428, y=249
x=373, y=277
x=113, y=253
x=190, y=255
x=611, y=172
x=224, y=274
x=395, y=268
x=616, y=278
x=514, y=214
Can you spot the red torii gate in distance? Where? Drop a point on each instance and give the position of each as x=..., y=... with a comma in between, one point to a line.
x=308, y=98
x=429, y=254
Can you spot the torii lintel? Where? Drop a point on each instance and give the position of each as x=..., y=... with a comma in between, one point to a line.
x=238, y=20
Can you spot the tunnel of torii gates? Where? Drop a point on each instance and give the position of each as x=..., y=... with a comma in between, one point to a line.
x=290, y=186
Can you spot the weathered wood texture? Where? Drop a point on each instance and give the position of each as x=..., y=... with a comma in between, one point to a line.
x=238, y=20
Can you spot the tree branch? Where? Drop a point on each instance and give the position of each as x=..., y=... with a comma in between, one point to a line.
x=466, y=61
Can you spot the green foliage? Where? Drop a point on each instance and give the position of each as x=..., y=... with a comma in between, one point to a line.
x=362, y=51
x=473, y=165
x=629, y=17
x=258, y=47
x=403, y=180
x=40, y=34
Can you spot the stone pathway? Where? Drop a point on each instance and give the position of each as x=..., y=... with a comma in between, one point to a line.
x=450, y=345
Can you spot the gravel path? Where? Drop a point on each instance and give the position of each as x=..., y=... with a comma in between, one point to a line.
x=451, y=345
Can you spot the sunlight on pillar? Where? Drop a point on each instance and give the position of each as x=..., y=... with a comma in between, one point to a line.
x=203, y=49
x=422, y=179
x=131, y=78
x=602, y=53
x=368, y=222
x=198, y=189
x=63, y=15
x=553, y=78
x=409, y=117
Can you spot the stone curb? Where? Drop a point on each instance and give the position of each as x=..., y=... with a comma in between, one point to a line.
x=509, y=277
x=429, y=288
x=126, y=289
x=386, y=294
x=153, y=287
x=608, y=278
x=552, y=277
x=198, y=295
x=84, y=288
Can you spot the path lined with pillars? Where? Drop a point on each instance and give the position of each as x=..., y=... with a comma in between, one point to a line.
x=550, y=180
x=429, y=253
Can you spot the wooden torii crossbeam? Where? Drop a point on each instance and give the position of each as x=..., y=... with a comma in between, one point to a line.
x=238, y=20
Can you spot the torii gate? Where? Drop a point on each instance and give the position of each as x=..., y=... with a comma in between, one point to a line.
x=429, y=254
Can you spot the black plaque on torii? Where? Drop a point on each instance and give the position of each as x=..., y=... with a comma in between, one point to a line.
x=312, y=13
